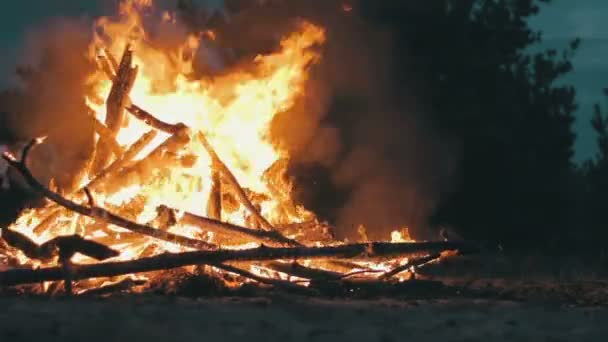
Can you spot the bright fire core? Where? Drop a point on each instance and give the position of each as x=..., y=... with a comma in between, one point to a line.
x=233, y=111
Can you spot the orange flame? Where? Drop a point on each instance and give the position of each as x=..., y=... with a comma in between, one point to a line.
x=234, y=111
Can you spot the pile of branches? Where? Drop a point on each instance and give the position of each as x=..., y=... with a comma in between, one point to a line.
x=115, y=166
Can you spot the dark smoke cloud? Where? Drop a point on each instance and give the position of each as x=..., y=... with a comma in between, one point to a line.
x=360, y=154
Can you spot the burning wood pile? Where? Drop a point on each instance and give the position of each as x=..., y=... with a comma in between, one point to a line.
x=185, y=176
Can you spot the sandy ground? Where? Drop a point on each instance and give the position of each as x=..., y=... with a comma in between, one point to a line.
x=150, y=318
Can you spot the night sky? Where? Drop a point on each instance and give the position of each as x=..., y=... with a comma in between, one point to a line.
x=561, y=21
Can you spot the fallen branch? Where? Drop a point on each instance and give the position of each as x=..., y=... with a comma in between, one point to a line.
x=97, y=212
x=169, y=261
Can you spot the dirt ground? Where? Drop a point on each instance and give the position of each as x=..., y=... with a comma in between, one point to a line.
x=153, y=318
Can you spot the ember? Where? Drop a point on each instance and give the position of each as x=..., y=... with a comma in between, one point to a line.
x=184, y=174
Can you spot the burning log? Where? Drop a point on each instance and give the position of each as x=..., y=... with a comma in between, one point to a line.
x=121, y=162
x=97, y=212
x=117, y=99
x=231, y=179
x=108, y=137
x=123, y=285
x=65, y=246
x=410, y=264
x=297, y=270
x=53, y=211
x=220, y=227
x=169, y=261
x=214, y=204
x=274, y=282
x=140, y=171
x=151, y=120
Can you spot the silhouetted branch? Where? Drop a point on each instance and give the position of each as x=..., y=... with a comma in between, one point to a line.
x=169, y=261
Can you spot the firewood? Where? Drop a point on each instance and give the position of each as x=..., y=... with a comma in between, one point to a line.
x=168, y=261
x=274, y=282
x=140, y=171
x=106, y=134
x=151, y=120
x=66, y=246
x=410, y=264
x=214, y=203
x=231, y=179
x=220, y=227
x=53, y=211
x=97, y=212
x=300, y=271
x=115, y=104
x=123, y=285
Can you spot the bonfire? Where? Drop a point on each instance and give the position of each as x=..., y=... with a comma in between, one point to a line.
x=185, y=176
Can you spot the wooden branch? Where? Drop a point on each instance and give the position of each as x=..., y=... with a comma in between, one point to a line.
x=169, y=261
x=140, y=171
x=231, y=179
x=96, y=212
x=54, y=211
x=108, y=136
x=220, y=227
x=410, y=264
x=65, y=246
x=123, y=285
x=214, y=203
x=115, y=104
x=121, y=162
x=274, y=282
x=152, y=121
x=297, y=270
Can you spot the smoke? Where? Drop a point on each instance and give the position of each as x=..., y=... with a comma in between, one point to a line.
x=360, y=154
x=50, y=99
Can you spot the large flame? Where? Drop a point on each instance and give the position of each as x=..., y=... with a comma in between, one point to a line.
x=234, y=111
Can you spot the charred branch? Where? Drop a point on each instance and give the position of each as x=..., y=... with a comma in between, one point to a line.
x=62, y=246
x=169, y=261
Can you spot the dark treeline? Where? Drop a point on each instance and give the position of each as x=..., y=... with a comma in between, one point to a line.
x=517, y=183
x=469, y=66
